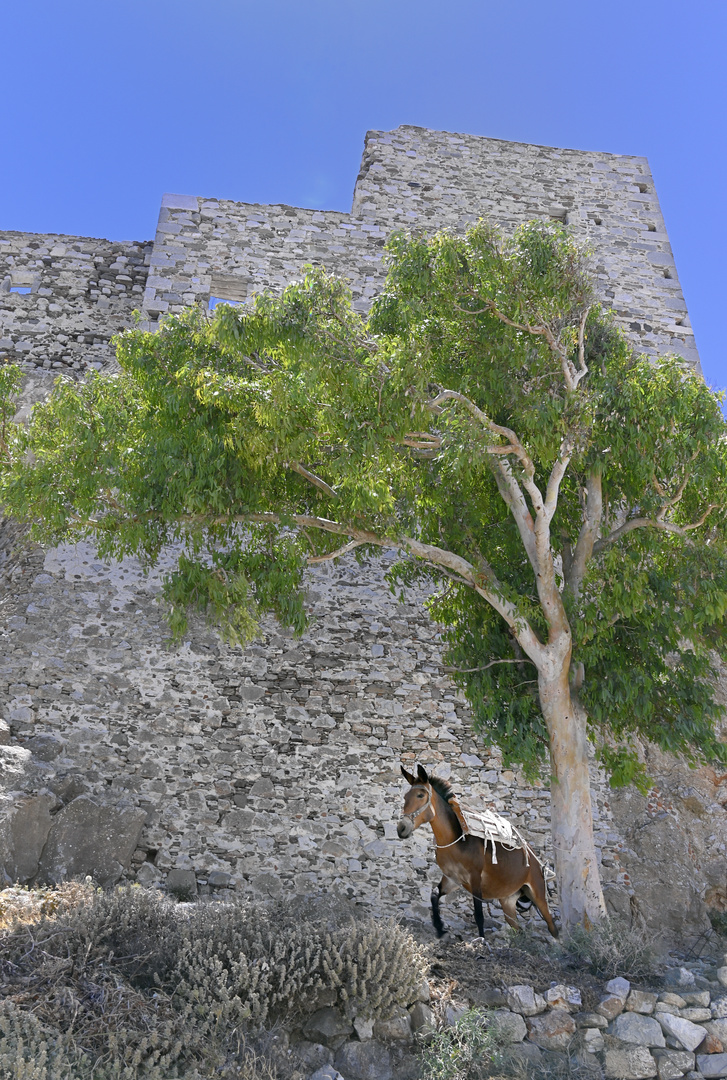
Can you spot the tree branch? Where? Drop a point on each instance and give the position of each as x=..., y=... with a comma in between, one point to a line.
x=312, y=479
x=652, y=523
x=575, y=572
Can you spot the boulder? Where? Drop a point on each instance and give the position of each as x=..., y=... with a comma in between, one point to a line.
x=711, y=1045
x=553, y=1030
x=393, y=1027
x=591, y=1020
x=421, y=1019
x=718, y=1028
x=25, y=821
x=364, y=1061
x=632, y=1027
x=712, y=1065
x=619, y=988
x=312, y=1056
x=91, y=837
x=610, y=1006
x=629, y=1063
x=675, y=1001
x=524, y=1000
x=673, y=1063
x=327, y=1072
x=327, y=1026
x=507, y=1027
x=564, y=997
x=364, y=1028
x=689, y=1035
x=679, y=977
x=696, y=997
x=719, y=1009
x=593, y=1040
x=182, y=883
x=696, y=1014
x=639, y=1001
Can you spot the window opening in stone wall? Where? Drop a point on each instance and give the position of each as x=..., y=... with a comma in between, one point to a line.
x=667, y=273
x=215, y=300
x=652, y=228
x=642, y=188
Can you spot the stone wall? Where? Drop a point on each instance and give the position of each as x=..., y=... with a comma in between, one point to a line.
x=81, y=292
x=416, y=179
x=274, y=769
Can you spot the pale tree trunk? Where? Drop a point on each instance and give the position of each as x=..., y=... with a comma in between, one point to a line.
x=576, y=864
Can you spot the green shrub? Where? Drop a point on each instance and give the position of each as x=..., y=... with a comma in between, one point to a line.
x=128, y=984
x=465, y=1051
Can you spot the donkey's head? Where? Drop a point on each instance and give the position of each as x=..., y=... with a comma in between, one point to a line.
x=418, y=809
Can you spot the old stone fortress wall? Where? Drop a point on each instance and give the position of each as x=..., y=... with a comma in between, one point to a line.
x=274, y=769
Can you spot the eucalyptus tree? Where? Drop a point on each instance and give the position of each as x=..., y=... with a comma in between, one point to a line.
x=487, y=421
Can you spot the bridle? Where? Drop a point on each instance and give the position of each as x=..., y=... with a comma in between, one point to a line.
x=415, y=814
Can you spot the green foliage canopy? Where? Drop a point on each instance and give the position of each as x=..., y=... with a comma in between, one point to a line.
x=274, y=435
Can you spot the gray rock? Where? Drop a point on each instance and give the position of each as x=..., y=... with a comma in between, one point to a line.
x=676, y=1001
x=364, y=1027
x=364, y=1061
x=148, y=874
x=520, y=1057
x=90, y=837
x=564, y=997
x=593, y=1041
x=591, y=1020
x=689, y=1035
x=312, y=1056
x=182, y=883
x=618, y=987
x=679, y=1061
x=667, y=1070
x=719, y=1009
x=696, y=1014
x=722, y=976
x=629, y=1063
x=25, y=821
x=710, y=1065
x=327, y=1026
x=632, y=1027
x=421, y=1018
x=5, y=735
x=610, y=1006
x=507, y=1027
x=453, y=1013
x=640, y=1001
x=524, y=1000
x=680, y=977
x=718, y=1028
x=45, y=747
x=393, y=1027
x=327, y=1072
x=552, y=1031
x=696, y=997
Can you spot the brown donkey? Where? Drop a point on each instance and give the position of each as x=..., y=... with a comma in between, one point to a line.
x=467, y=860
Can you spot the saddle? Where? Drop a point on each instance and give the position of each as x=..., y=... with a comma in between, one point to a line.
x=491, y=827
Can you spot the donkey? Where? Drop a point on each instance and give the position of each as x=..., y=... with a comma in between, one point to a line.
x=467, y=860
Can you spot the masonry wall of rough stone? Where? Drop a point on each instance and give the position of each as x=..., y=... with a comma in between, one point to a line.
x=412, y=178
x=274, y=769
x=81, y=292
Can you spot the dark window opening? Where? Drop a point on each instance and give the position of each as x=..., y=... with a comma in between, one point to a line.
x=652, y=228
x=667, y=273
x=642, y=188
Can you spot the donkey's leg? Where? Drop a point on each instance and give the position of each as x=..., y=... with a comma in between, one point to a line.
x=509, y=910
x=446, y=885
x=479, y=917
x=536, y=888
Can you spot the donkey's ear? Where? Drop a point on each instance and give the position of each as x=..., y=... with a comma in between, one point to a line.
x=411, y=780
x=422, y=775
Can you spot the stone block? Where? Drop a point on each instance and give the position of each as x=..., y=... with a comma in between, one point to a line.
x=328, y=1026
x=364, y=1061
x=722, y=976
x=640, y=1001
x=564, y=997
x=629, y=1063
x=633, y=1027
x=181, y=883
x=523, y=999
x=90, y=837
x=553, y=1030
x=421, y=1018
x=25, y=821
x=591, y=1020
x=712, y=1065
x=680, y=1061
x=394, y=1027
x=593, y=1041
x=697, y=997
x=689, y=1035
x=676, y=1001
x=718, y=1028
x=507, y=1027
x=719, y=1009
x=618, y=987
x=610, y=1006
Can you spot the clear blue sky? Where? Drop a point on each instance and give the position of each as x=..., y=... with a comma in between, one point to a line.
x=108, y=104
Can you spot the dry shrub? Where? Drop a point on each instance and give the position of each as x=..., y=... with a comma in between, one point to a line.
x=128, y=984
x=612, y=948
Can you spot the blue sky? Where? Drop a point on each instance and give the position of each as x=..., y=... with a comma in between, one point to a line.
x=107, y=105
